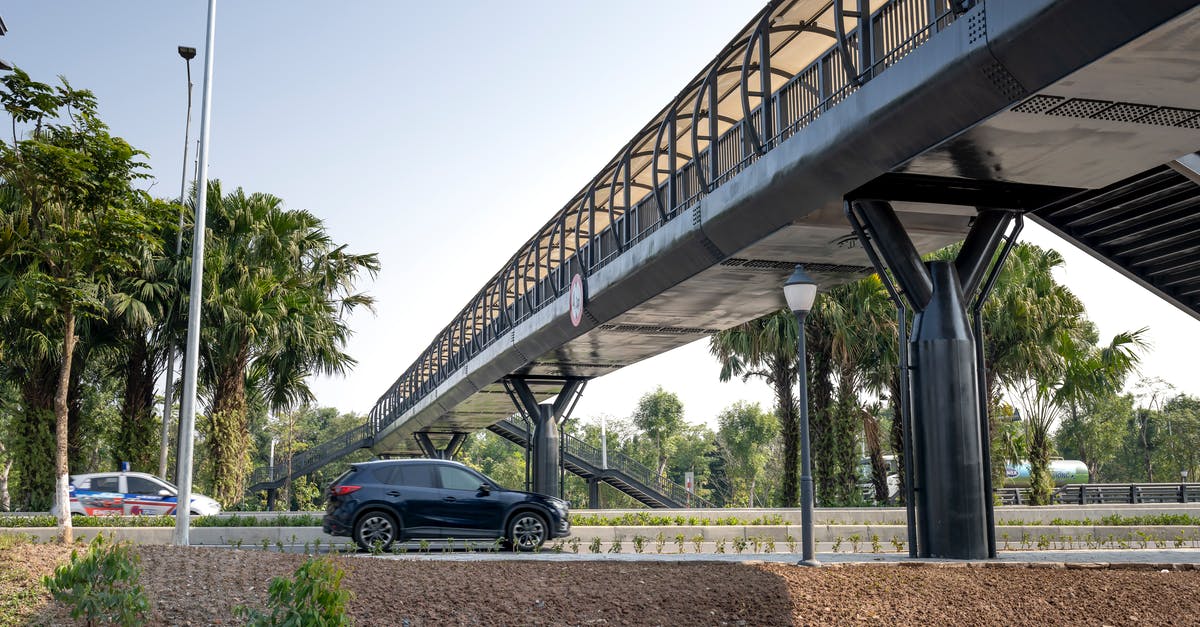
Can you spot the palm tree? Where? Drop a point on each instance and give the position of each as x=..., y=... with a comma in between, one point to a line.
x=277, y=294
x=1081, y=371
x=766, y=348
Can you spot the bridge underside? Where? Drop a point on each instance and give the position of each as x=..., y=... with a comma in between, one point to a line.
x=1055, y=108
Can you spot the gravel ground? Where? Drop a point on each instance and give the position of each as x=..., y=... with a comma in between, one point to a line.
x=201, y=586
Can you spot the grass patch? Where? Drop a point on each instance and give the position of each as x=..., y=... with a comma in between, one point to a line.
x=22, y=595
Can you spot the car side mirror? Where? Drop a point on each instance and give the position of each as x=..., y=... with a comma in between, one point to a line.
x=164, y=492
x=485, y=489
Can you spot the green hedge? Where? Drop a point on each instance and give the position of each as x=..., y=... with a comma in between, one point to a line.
x=647, y=519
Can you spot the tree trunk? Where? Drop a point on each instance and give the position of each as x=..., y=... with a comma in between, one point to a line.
x=136, y=440
x=1041, y=484
x=789, y=428
x=820, y=420
x=62, y=487
x=5, y=499
x=33, y=444
x=898, y=435
x=227, y=434
x=844, y=427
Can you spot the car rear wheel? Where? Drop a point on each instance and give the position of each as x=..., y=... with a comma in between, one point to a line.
x=376, y=531
x=527, y=531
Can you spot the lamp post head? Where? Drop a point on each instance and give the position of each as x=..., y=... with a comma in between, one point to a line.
x=187, y=53
x=800, y=291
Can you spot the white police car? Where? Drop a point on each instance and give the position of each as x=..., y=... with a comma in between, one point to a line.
x=131, y=494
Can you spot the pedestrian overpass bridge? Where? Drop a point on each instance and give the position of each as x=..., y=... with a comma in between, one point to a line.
x=1082, y=115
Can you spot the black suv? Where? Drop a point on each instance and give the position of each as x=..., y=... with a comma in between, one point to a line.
x=381, y=502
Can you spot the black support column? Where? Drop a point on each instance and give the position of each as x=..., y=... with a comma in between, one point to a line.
x=948, y=434
x=593, y=493
x=433, y=452
x=547, y=419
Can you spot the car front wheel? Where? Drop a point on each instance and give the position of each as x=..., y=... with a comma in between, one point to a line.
x=376, y=531
x=527, y=531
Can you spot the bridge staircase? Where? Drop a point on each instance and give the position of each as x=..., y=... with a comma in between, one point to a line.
x=623, y=472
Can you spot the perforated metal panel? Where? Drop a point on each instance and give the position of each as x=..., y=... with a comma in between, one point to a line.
x=1132, y=112
x=1038, y=104
x=1167, y=116
x=1080, y=108
x=1124, y=112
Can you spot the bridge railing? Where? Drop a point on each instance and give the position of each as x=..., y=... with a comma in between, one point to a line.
x=605, y=218
x=311, y=459
x=595, y=228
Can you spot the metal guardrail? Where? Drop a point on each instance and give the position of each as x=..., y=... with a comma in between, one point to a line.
x=1110, y=494
x=541, y=269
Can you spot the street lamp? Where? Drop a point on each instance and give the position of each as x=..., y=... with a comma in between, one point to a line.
x=800, y=291
x=169, y=389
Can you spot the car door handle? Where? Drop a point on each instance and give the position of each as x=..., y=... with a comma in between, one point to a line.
x=449, y=499
x=393, y=493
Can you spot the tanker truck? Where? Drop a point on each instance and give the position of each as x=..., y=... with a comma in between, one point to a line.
x=1063, y=471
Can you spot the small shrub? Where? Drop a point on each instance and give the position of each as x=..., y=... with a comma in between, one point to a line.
x=377, y=548
x=313, y=597
x=837, y=544
x=266, y=544
x=791, y=543
x=639, y=543
x=768, y=544
x=898, y=544
x=855, y=541
x=424, y=544
x=875, y=543
x=697, y=540
x=756, y=542
x=101, y=585
x=1179, y=540
x=615, y=547
x=1043, y=542
x=679, y=540
x=739, y=544
x=574, y=544
x=1004, y=536
x=659, y=542
x=279, y=545
x=594, y=547
x=720, y=545
x=449, y=545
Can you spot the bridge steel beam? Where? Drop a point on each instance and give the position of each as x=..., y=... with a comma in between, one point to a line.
x=545, y=458
x=950, y=452
x=432, y=451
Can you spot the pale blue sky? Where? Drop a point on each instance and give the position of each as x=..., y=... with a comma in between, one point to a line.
x=440, y=135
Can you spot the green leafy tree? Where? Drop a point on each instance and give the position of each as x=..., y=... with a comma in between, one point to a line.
x=68, y=227
x=276, y=296
x=1095, y=434
x=1080, y=371
x=659, y=415
x=766, y=348
x=744, y=432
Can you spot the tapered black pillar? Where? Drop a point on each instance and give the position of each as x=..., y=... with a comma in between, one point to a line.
x=547, y=419
x=947, y=447
x=545, y=451
x=950, y=474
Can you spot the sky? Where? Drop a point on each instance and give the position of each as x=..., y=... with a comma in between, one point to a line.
x=442, y=135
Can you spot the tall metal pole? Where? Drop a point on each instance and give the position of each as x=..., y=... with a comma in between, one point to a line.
x=169, y=387
x=603, y=441
x=809, y=557
x=187, y=408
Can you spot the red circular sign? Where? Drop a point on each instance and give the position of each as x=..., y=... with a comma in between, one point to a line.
x=575, y=297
